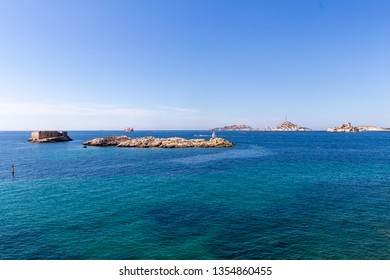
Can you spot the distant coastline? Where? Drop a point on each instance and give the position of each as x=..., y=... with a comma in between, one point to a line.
x=289, y=126
x=45, y=136
x=284, y=126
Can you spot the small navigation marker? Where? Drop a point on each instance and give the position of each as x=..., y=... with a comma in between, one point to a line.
x=13, y=170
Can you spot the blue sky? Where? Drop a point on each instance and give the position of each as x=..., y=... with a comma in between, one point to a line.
x=159, y=64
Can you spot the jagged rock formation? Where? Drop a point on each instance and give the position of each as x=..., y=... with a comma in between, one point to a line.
x=348, y=127
x=151, y=142
x=287, y=126
x=234, y=127
x=49, y=136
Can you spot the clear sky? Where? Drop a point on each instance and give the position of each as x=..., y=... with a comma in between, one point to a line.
x=194, y=64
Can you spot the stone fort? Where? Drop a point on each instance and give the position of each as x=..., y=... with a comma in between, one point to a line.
x=37, y=135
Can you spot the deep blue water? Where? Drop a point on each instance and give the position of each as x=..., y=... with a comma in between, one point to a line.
x=275, y=195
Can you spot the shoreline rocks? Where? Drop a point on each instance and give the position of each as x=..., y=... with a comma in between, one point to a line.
x=152, y=142
x=48, y=136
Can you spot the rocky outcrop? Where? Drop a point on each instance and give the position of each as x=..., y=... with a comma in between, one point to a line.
x=48, y=136
x=348, y=127
x=234, y=127
x=152, y=142
x=107, y=141
x=287, y=126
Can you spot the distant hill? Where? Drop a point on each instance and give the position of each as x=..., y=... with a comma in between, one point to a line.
x=287, y=126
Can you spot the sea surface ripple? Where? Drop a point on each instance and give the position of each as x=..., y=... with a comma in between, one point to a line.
x=274, y=195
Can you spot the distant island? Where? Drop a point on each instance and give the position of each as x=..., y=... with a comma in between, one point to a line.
x=152, y=142
x=235, y=127
x=48, y=136
x=285, y=126
x=348, y=127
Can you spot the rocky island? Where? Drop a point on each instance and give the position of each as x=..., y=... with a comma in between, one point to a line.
x=152, y=142
x=235, y=127
x=348, y=127
x=285, y=126
x=49, y=136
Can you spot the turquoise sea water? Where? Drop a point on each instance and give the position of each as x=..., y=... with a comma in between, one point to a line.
x=275, y=195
